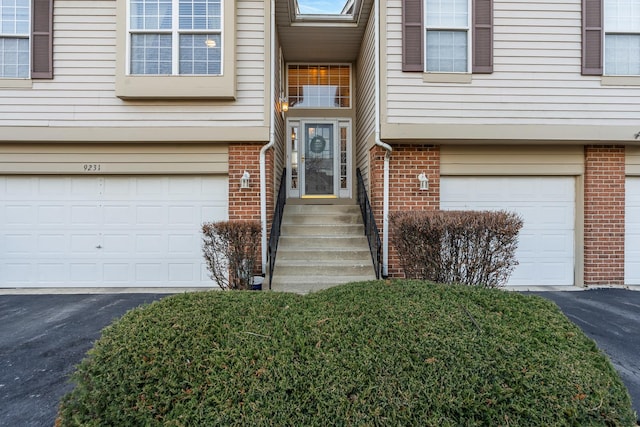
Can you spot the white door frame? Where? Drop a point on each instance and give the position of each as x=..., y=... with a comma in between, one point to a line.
x=343, y=176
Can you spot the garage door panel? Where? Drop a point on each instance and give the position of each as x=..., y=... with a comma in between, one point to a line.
x=106, y=231
x=150, y=244
x=116, y=215
x=182, y=243
x=118, y=188
x=149, y=215
x=53, y=243
x=83, y=243
x=18, y=244
x=16, y=272
x=115, y=274
x=149, y=272
x=182, y=215
x=55, y=273
x=17, y=214
x=558, y=244
x=632, y=232
x=85, y=215
x=116, y=243
x=83, y=273
x=546, y=205
x=182, y=272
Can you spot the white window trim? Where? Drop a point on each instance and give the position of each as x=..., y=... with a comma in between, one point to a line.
x=620, y=77
x=21, y=36
x=175, y=39
x=469, y=39
x=154, y=86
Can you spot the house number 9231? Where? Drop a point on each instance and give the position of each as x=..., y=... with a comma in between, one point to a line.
x=91, y=167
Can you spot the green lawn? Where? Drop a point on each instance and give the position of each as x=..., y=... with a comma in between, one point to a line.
x=372, y=353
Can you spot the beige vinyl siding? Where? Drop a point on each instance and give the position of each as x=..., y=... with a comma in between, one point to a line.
x=632, y=160
x=82, y=93
x=536, y=78
x=511, y=160
x=96, y=159
x=365, y=100
x=281, y=133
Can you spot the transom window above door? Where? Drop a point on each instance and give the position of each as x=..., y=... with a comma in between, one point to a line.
x=319, y=86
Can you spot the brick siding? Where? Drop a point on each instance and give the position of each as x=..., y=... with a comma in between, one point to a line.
x=244, y=203
x=406, y=163
x=604, y=210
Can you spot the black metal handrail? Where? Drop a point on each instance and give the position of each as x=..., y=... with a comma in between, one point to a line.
x=370, y=227
x=274, y=236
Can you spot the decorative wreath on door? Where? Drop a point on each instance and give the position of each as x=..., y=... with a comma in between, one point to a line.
x=317, y=144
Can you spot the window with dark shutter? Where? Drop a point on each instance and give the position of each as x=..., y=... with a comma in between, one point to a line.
x=482, y=36
x=42, y=40
x=592, y=37
x=412, y=35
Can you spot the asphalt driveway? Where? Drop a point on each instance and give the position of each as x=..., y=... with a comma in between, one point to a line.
x=611, y=317
x=43, y=337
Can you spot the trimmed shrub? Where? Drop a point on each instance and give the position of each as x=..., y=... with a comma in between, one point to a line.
x=400, y=354
x=230, y=251
x=466, y=247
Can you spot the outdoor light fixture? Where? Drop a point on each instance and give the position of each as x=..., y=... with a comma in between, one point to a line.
x=424, y=181
x=284, y=105
x=244, y=181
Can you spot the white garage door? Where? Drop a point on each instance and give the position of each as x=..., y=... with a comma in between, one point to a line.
x=106, y=231
x=632, y=232
x=546, y=204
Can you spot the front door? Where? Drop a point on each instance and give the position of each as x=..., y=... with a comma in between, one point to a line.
x=318, y=156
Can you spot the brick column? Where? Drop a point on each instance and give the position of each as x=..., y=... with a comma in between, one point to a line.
x=604, y=210
x=244, y=203
x=407, y=162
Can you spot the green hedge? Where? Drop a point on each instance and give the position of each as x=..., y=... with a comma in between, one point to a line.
x=373, y=353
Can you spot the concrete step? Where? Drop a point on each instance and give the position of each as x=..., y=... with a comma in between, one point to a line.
x=304, y=285
x=320, y=209
x=324, y=268
x=319, y=218
x=326, y=229
x=322, y=242
x=321, y=246
x=356, y=254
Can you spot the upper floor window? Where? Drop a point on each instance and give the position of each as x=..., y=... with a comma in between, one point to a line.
x=175, y=37
x=15, y=27
x=447, y=36
x=622, y=37
x=319, y=86
x=447, y=32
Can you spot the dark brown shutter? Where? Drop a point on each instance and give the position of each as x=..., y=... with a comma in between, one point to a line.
x=592, y=37
x=482, y=37
x=42, y=39
x=412, y=36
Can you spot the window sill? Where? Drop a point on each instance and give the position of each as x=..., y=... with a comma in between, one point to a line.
x=15, y=83
x=462, y=78
x=620, y=81
x=175, y=87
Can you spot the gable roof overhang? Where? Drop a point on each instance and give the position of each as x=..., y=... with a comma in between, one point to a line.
x=321, y=38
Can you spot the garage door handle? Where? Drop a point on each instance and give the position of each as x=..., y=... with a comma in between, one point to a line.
x=98, y=247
